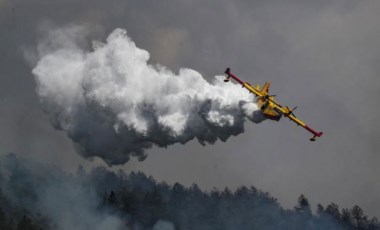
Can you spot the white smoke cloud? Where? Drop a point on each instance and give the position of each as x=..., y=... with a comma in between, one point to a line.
x=113, y=104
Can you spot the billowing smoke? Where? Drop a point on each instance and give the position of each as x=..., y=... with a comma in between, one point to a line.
x=113, y=104
x=68, y=202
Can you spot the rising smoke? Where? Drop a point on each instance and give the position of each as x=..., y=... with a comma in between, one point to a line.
x=114, y=105
x=64, y=199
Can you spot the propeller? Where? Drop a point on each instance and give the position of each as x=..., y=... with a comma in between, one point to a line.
x=291, y=111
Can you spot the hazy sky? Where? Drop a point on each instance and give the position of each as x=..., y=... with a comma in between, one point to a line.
x=322, y=56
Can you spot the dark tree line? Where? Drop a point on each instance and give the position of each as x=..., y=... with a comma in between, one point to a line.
x=147, y=201
x=141, y=202
x=19, y=219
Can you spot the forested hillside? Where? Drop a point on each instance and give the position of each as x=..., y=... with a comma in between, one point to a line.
x=35, y=196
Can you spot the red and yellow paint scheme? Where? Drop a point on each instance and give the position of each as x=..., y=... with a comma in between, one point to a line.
x=269, y=107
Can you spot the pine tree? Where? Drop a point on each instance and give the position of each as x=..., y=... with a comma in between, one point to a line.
x=303, y=206
x=360, y=220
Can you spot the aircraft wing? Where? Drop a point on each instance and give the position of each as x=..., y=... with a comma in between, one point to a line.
x=301, y=123
x=289, y=114
x=246, y=85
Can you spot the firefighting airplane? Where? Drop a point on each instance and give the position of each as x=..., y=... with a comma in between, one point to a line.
x=269, y=107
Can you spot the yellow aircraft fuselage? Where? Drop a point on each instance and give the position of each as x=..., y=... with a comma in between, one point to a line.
x=269, y=107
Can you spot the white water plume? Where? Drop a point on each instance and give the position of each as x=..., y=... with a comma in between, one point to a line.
x=114, y=105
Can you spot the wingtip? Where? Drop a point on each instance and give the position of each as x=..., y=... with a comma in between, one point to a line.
x=315, y=136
